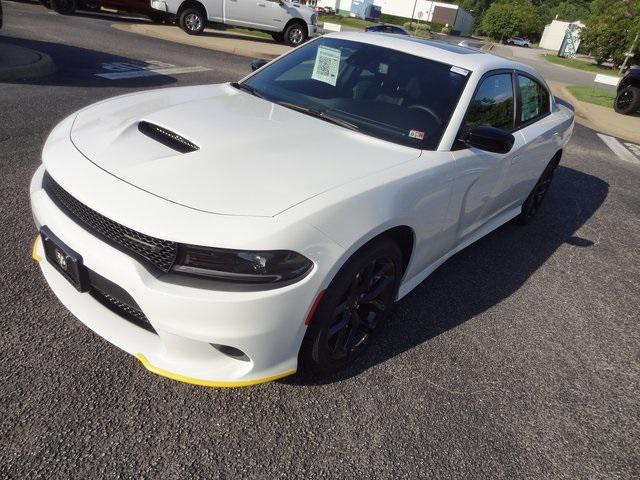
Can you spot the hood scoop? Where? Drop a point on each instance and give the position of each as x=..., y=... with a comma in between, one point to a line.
x=167, y=137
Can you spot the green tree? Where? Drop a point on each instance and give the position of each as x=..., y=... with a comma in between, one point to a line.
x=610, y=30
x=503, y=20
x=570, y=11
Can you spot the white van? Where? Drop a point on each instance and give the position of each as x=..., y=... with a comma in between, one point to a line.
x=288, y=22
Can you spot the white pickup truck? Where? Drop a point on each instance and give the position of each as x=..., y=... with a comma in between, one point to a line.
x=287, y=22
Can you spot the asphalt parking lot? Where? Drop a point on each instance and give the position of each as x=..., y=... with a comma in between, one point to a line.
x=518, y=358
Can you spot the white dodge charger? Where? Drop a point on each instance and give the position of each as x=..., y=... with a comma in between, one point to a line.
x=232, y=234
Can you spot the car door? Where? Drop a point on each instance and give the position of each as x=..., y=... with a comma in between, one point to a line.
x=254, y=13
x=482, y=188
x=537, y=126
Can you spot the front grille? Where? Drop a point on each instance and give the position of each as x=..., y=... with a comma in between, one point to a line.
x=154, y=251
x=133, y=315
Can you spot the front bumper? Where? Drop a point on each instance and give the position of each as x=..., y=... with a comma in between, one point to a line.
x=266, y=325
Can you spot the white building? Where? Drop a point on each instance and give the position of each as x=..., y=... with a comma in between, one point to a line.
x=555, y=32
x=429, y=11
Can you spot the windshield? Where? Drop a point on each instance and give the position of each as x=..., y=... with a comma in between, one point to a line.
x=378, y=91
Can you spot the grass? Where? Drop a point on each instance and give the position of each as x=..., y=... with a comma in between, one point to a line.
x=597, y=96
x=346, y=21
x=362, y=24
x=580, y=64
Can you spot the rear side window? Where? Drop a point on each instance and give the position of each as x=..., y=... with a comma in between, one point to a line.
x=492, y=103
x=534, y=97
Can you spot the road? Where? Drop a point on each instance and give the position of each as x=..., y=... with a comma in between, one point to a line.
x=550, y=71
x=518, y=358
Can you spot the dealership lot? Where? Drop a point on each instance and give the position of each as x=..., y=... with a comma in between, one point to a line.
x=518, y=358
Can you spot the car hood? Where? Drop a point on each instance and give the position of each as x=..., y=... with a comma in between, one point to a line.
x=253, y=158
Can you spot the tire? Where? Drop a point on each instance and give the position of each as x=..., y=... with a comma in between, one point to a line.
x=295, y=34
x=192, y=20
x=64, y=7
x=353, y=309
x=627, y=101
x=278, y=37
x=533, y=202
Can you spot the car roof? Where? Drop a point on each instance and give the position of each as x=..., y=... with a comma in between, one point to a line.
x=465, y=57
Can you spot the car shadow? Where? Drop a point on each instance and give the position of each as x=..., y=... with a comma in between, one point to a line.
x=80, y=67
x=483, y=274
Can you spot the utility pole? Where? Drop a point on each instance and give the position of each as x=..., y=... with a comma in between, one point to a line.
x=629, y=54
x=413, y=14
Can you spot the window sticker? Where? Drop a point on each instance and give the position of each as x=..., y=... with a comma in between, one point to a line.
x=460, y=71
x=327, y=64
x=383, y=68
x=419, y=134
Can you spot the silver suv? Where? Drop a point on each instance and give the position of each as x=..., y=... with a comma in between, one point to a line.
x=519, y=41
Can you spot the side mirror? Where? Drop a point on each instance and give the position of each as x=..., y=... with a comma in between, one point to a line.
x=258, y=63
x=490, y=139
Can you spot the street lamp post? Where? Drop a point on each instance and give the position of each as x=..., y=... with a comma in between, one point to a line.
x=412, y=14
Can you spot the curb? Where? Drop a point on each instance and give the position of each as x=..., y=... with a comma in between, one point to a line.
x=586, y=118
x=235, y=44
x=40, y=66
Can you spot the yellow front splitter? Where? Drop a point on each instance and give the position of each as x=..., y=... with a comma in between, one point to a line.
x=208, y=383
x=34, y=249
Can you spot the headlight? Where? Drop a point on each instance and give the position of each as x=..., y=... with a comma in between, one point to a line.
x=241, y=266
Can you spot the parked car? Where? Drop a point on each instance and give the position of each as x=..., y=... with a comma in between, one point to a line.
x=68, y=7
x=329, y=11
x=289, y=23
x=627, y=99
x=189, y=227
x=519, y=42
x=387, y=28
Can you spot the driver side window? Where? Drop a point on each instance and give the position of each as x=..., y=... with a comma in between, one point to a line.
x=492, y=104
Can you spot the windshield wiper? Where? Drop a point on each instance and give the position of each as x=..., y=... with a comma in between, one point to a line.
x=320, y=114
x=246, y=88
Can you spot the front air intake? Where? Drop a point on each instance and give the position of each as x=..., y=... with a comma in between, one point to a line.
x=167, y=138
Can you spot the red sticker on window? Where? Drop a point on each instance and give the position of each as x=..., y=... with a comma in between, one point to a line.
x=416, y=134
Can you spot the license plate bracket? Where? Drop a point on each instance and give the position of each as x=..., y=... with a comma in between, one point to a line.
x=64, y=259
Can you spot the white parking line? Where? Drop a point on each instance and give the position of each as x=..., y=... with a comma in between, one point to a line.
x=150, y=72
x=619, y=149
x=635, y=149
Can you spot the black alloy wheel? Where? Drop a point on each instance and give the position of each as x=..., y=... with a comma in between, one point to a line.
x=353, y=308
x=627, y=101
x=533, y=202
